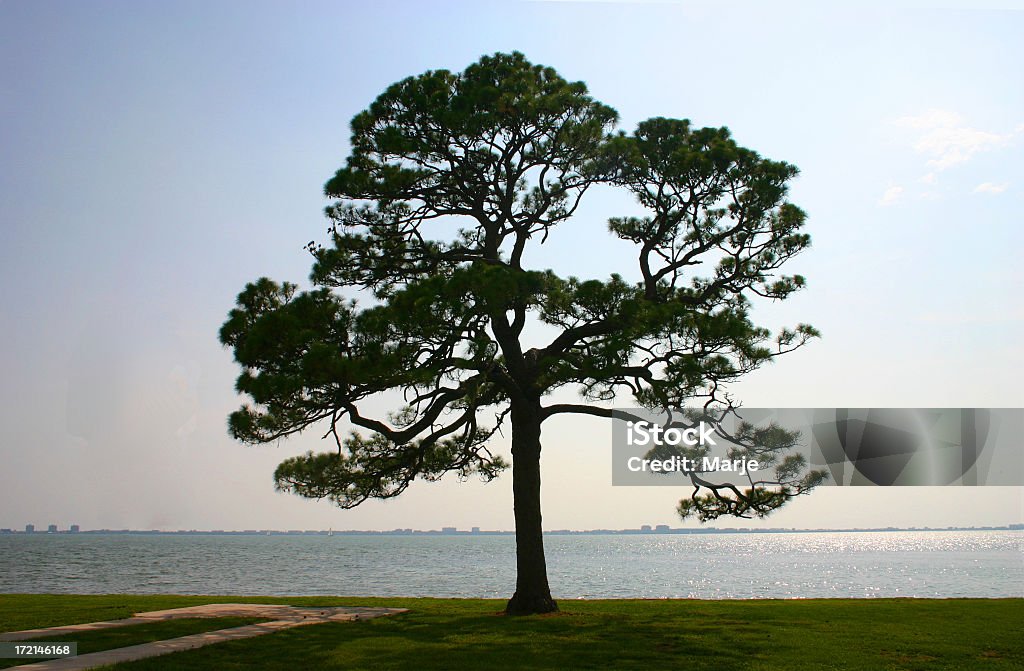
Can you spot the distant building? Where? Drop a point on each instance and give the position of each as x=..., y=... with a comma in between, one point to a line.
x=30, y=528
x=75, y=529
x=476, y=530
x=661, y=528
x=52, y=529
x=448, y=530
x=645, y=528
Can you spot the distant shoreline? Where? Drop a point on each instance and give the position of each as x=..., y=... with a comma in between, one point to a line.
x=660, y=530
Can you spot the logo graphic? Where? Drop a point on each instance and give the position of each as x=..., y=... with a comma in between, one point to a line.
x=856, y=446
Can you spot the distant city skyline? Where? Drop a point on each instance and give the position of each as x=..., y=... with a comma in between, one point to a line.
x=449, y=530
x=158, y=156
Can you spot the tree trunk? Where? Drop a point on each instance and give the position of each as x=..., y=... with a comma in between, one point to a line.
x=532, y=592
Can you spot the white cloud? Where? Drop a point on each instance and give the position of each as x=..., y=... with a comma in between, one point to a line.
x=928, y=179
x=945, y=137
x=933, y=118
x=891, y=195
x=989, y=187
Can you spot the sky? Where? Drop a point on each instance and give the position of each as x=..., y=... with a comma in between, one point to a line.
x=158, y=156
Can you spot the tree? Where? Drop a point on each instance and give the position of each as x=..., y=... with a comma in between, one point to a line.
x=498, y=155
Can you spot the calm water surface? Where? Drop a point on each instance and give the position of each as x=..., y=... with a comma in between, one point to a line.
x=726, y=566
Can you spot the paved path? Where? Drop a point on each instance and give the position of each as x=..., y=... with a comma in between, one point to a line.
x=282, y=617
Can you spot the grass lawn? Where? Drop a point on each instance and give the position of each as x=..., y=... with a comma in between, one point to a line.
x=615, y=634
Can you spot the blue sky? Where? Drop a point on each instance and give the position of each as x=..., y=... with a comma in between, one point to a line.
x=157, y=156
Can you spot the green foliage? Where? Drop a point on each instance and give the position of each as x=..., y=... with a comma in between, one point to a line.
x=504, y=151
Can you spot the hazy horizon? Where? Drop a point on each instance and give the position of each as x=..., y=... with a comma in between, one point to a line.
x=451, y=531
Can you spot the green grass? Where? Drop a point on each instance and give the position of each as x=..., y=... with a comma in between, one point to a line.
x=107, y=639
x=620, y=634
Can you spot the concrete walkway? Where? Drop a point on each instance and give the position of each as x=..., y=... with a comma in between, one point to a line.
x=282, y=617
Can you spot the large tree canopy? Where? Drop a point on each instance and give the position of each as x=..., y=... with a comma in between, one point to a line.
x=450, y=177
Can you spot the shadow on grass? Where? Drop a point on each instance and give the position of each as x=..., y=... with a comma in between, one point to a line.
x=861, y=634
x=488, y=641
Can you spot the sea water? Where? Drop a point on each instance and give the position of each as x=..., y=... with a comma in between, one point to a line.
x=931, y=564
